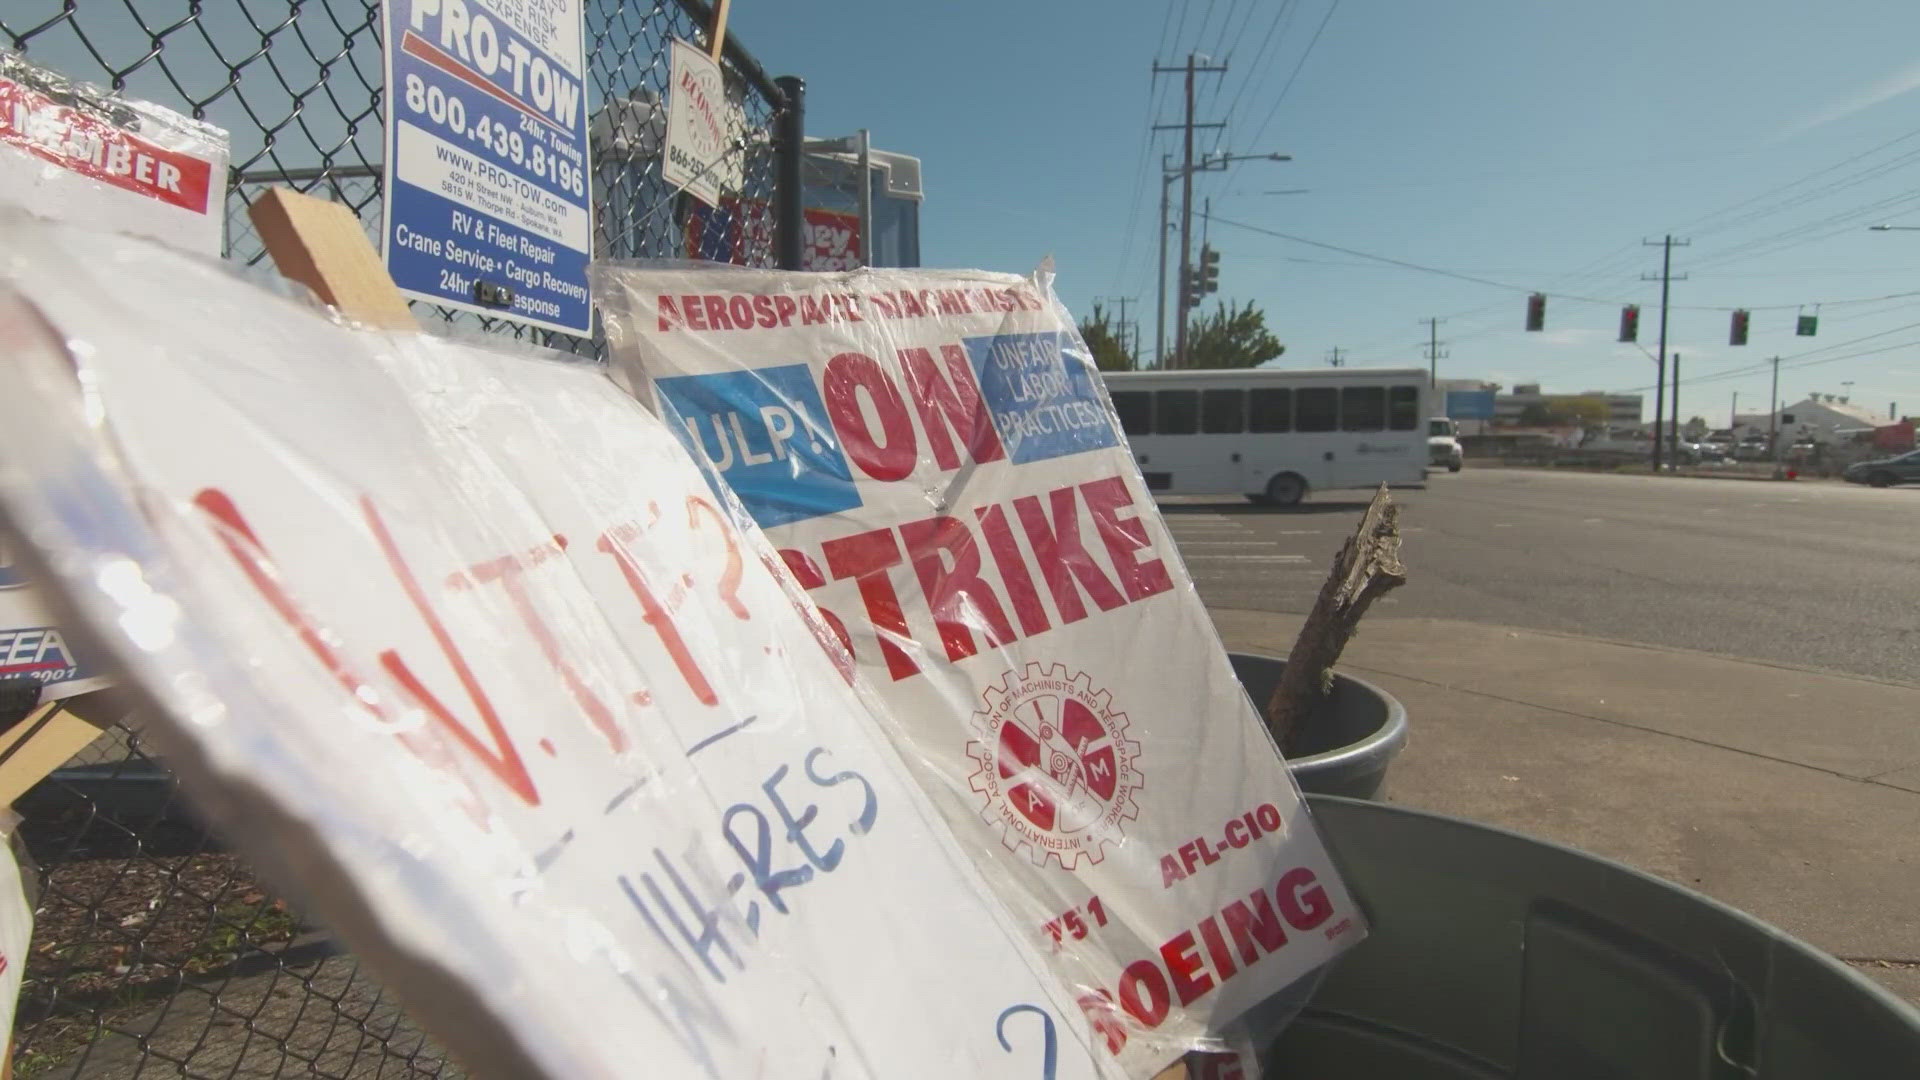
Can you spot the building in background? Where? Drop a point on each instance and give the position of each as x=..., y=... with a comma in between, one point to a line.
x=1527, y=406
x=831, y=172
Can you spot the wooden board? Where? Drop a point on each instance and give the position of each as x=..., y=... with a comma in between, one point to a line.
x=321, y=245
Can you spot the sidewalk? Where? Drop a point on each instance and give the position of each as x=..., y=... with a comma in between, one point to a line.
x=1791, y=794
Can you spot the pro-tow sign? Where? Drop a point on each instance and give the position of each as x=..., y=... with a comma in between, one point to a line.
x=489, y=197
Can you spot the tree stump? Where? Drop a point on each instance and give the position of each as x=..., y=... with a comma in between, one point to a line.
x=1367, y=568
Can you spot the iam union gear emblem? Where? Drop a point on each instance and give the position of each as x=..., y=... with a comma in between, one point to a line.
x=1056, y=768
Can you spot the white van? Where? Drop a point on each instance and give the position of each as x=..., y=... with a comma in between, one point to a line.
x=1443, y=444
x=1272, y=434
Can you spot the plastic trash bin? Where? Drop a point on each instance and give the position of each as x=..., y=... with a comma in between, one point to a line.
x=1346, y=746
x=1497, y=957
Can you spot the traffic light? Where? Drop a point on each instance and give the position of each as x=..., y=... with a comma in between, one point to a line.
x=1737, y=335
x=1204, y=279
x=1209, y=269
x=1537, y=311
x=1630, y=323
x=1806, y=325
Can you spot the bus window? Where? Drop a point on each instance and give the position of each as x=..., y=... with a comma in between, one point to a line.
x=1176, y=412
x=1319, y=409
x=1403, y=408
x=1136, y=411
x=1363, y=408
x=1223, y=412
x=1271, y=409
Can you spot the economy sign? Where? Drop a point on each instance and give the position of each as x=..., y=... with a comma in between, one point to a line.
x=488, y=181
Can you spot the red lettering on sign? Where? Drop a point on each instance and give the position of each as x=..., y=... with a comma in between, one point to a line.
x=729, y=585
x=1256, y=925
x=1302, y=901
x=841, y=382
x=669, y=314
x=957, y=595
x=1058, y=550
x=812, y=312
x=1190, y=978
x=1217, y=947
x=97, y=149
x=810, y=578
x=1143, y=977
x=952, y=399
x=501, y=759
x=1123, y=537
x=695, y=311
x=866, y=557
x=716, y=312
x=1013, y=570
x=784, y=306
x=507, y=570
x=658, y=617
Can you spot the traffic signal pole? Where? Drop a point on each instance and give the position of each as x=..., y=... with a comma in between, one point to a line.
x=1660, y=382
x=1191, y=68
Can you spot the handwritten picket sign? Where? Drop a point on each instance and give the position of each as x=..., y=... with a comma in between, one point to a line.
x=464, y=647
x=936, y=459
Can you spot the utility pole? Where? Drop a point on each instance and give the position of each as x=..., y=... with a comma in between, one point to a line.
x=1434, y=355
x=1123, y=301
x=1660, y=383
x=1733, y=415
x=1190, y=69
x=1676, y=410
x=1773, y=420
x=1334, y=358
x=1160, y=321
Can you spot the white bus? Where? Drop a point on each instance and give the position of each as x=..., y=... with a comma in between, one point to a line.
x=1271, y=434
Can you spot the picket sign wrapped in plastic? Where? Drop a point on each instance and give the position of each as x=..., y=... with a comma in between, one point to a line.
x=935, y=457
x=464, y=649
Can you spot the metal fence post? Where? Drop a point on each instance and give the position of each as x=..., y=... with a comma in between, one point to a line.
x=791, y=149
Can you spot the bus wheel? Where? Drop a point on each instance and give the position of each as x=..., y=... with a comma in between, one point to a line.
x=1287, y=489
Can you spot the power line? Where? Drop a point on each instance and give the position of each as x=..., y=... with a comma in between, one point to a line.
x=1308, y=51
x=1511, y=287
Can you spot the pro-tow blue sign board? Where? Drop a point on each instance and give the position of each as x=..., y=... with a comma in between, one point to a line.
x=489, y=198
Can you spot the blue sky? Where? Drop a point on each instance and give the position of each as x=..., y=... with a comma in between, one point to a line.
x=1532, y=144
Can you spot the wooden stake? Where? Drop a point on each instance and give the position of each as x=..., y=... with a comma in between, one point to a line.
x=321, y=245
x=1367, y=568
x=719, y=35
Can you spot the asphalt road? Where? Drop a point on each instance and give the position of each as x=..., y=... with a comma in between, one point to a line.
x=1813, y=573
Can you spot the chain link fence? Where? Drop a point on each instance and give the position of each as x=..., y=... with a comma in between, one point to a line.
x=156, y=952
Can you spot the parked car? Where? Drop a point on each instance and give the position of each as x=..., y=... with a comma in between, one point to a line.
x=1885, y=472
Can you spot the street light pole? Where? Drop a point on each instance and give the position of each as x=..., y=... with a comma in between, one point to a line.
x=1168, y=174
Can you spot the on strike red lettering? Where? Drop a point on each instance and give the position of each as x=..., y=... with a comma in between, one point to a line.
x=866, y=557
x=502, y=759
x=716, y=313
x=842, y=380
x=1013, y=569
x=1302, y=901
x=507, y=570
x=1144, y=975
x=1058, y=550
x=669, y=314
x=1258, y=925
x=810, y=578
x=1190, y=979
x=658, y=617
x=1123, y=537
x=954, y=397
x=729, y=587
x=957, y=595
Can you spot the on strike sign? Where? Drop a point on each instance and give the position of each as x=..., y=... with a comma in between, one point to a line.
x=489, y=205
x=934, y=456
x=535, y=718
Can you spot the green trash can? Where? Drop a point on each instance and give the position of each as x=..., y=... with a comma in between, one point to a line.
x=1498, y=957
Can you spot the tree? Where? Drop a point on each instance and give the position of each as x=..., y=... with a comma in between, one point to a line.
x=1103, y=339
x=1696, y=428
x=1231, y=337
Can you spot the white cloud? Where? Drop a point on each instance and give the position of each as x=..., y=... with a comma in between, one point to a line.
x=1885, y=90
